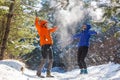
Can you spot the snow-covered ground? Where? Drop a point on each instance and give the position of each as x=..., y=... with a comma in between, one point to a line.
x=11, y=70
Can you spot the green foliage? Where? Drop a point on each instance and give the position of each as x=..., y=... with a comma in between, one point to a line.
x=21, y=28
x=2, y=2
x=117, y=35
x=109, y=13
x=2, y=10
x=19, y=47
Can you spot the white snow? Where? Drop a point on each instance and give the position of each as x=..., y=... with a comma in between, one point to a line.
x=69, y=15
x=4, y=7
x=10, y=70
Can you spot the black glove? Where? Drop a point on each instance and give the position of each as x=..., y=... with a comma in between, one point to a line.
x=36, y=13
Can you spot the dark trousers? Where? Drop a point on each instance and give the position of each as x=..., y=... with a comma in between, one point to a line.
x=82, y=52
x=47, y=53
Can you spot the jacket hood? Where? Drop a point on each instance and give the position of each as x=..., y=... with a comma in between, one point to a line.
x=88, y=26
x=42, y=22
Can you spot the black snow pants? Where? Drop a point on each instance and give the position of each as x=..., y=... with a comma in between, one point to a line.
x=82, y=53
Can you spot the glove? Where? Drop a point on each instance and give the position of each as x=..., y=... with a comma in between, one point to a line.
x=36, y=13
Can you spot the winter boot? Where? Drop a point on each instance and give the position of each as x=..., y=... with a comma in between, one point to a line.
x=49, y=74
x=85, y=71
x=39, y=75
x=82, y=71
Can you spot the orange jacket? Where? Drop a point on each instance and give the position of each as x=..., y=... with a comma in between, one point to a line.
x=44, y=33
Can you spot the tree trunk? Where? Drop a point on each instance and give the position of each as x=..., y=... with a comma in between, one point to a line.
x=2, y=30
x=7, y=30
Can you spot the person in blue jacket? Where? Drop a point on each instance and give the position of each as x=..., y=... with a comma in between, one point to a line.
x=83, y=45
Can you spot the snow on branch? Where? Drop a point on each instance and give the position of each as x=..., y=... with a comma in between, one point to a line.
x=4, y=7
x=117, y=5
x=38, y=7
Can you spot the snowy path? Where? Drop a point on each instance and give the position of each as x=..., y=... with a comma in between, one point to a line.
x=9, y=70
x=109, y=71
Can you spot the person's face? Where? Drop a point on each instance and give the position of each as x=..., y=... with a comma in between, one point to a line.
x=84, y=27
x=45, y=25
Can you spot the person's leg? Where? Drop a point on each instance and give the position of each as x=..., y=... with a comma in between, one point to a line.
x=50, y=62
x=40, y=67
x=43, y=60
x=82, y=59
x=79, y=57
x=85, y=51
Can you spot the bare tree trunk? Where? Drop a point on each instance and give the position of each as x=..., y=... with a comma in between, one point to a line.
x=7, y=30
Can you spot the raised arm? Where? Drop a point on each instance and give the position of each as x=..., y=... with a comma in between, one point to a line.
x=53, y=29
x=93, y=32
x=37, y=24
x=36, y=21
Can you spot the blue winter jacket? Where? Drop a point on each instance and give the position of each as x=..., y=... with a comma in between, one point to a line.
x=84, y=36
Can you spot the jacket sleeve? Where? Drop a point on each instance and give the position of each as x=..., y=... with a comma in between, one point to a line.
x=53, y=29
x=37, y=24
x=76, y=36
x=93, y=32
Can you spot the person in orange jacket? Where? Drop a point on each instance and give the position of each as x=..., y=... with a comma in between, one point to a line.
x=46, y=43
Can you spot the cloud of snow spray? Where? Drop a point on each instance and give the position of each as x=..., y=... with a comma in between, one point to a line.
x=68, y=16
